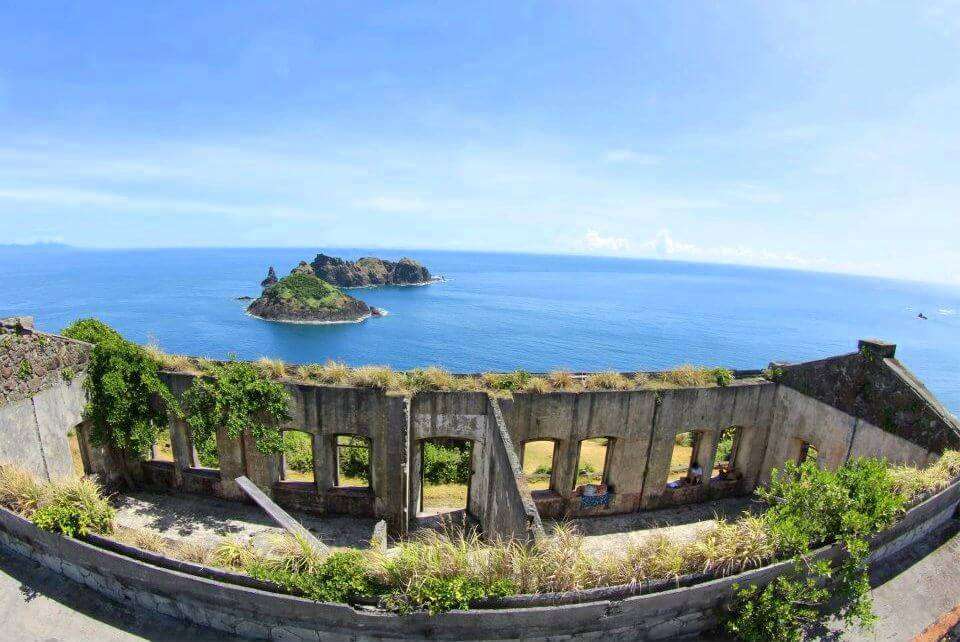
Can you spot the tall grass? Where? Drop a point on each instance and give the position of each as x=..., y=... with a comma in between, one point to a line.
x=176, y=362
x=273, y=367
x=609, y=380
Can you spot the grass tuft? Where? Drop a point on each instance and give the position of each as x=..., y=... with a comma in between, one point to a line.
x=609, y=380
x=272, y=367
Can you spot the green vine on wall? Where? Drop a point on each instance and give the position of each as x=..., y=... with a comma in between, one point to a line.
x=237, y=396
x=122, y=386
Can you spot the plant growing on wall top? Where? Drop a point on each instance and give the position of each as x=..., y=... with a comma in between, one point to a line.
x=122, y=381
x=238, y=396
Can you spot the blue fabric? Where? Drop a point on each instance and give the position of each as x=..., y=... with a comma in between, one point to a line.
x=595, y=500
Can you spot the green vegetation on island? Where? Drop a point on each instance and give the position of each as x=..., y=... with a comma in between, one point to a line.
x=305, y=298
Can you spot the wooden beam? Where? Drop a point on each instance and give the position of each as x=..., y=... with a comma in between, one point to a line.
x=279, y=515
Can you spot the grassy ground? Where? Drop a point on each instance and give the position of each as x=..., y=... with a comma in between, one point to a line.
x=592, y=452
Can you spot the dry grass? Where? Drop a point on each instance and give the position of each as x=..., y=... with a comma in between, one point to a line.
x=272, y=367
x=334, y=373
x=195, y=552
x=564, y=380
x=20, y=491
x=380, y=377
x=292, y=553
x=537, y=385
x=913, y=482
x=685, y=376
x=144, y=539
x=609, y=380
x=232, y=553
x=175, y=362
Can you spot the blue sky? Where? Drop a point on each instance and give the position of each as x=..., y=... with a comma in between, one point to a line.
x=811, y=135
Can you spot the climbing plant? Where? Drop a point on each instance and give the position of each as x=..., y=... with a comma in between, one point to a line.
x=122, y=385
x=238, y=396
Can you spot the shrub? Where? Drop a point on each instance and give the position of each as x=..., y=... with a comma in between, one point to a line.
x=808, y=507
x=122, y=380
x=446, y=464
x=355, y=459
x=238, y=396
x=442, y=594
x=24, y=370
x=341, y=577
x=298, y=451
x=68, y=374
x=74, y=507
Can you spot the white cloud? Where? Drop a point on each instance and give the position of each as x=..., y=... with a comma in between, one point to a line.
x=392, y=204
x=67, y=197
x=596, y=242
x=629, y=156
x=664, y=245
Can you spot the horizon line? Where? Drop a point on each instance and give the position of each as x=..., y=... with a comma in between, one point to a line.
x=558, y=254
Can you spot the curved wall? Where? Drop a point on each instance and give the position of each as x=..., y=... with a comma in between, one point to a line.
x=615, y=613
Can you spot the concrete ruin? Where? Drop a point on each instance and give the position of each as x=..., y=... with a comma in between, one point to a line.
x=861, y=404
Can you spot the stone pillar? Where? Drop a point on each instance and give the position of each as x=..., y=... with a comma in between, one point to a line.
x=391, y=466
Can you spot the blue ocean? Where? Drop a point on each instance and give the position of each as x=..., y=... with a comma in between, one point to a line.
x=497, y=311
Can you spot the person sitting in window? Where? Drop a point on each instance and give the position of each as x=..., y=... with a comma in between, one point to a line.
x=695, y=475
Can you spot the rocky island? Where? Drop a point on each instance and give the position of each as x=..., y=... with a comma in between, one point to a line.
x=312, y=294
x=306, y=298
x=369, y=271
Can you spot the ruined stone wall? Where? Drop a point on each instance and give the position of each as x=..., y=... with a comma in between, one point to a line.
x=872, y=385
x=41, y=397
x=32, y=361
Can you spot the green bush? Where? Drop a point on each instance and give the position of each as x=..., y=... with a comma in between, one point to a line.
x=724, y=376
x=74, y=507
x=24, y=371
x=355, y=459
x=122, y=382
x=808, y=507
x=446, y=464
x=342, y=577
x=238, y=396
x=298, y=451
x=442, y=594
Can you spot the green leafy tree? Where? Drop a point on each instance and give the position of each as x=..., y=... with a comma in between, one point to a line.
x=122, y=386
x=238, y=396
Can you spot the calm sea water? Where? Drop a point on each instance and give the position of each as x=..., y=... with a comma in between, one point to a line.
x=498, y=311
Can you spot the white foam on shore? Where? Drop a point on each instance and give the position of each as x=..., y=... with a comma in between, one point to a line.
x=300, y=322
x=435, y=279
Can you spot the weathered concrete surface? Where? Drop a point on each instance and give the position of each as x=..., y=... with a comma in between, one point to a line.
x=33, y=431
x=207, y=519
x=37, y=605
x=873, y=385
x=914, y=588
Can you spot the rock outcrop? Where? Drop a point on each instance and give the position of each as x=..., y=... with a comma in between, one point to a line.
x=305, y=298
x=369, y=271
x=271, y=278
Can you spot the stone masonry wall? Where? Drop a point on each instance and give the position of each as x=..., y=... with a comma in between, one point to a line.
x=32, y=361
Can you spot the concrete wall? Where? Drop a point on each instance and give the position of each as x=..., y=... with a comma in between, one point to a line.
x=642, y=426
x=836, y=435
x=615, y=613
x=41, y=402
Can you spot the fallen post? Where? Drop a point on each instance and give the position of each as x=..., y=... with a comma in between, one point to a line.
x=279, y=515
